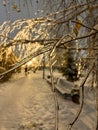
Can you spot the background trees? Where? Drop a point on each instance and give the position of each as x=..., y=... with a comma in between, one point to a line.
x=73, y=19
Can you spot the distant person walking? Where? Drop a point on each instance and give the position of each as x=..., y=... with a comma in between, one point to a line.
x=26, y=70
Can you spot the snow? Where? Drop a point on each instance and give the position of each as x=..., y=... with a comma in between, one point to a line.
x=27, y=103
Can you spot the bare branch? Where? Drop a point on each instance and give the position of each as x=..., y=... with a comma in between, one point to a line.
x=28, y=58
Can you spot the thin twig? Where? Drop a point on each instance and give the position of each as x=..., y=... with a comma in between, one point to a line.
x=70, y=8
x=71, y=17
x=85, y=26
x=77, y=38
x=82, y=97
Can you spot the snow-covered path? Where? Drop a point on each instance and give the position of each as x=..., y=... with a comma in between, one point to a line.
x=22, y=102
x=28, y=104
